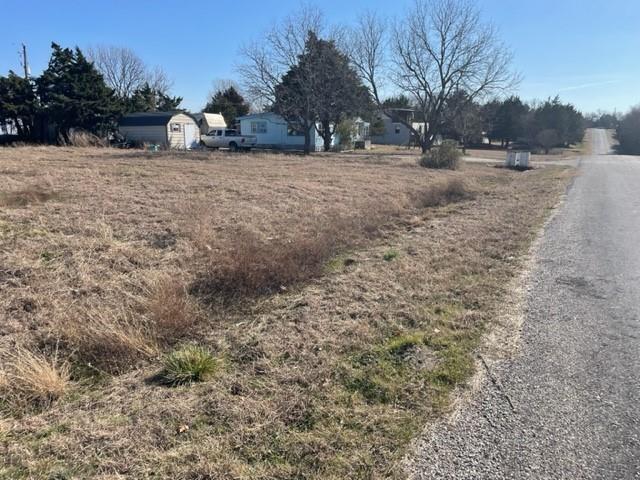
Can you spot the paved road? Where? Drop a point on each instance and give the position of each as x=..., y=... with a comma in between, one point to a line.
x=575, y=385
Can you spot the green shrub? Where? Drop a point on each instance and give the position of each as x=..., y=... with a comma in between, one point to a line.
x=446, y=155
x=188, y=364
x=390, y=255
x=628, y=133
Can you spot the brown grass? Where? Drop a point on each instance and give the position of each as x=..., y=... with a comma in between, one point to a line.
x=330, y=377
x=106, y=342
x=440, y=194
x=171, y=312
x=30, y=380
x=84, y=139
x=38, y=193
x=249, y=265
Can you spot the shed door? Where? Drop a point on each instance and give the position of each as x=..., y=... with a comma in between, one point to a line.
x=190, y=135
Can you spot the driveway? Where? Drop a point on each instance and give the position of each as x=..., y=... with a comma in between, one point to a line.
x=568, y=405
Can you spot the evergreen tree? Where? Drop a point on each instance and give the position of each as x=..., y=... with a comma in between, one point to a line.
x=508, y=124
x=398, y=101
x=18, y=103
x=628, y=132
x=148, y=99
x=462, y=119
x=229, y=103
x=321, y=88
x=73, y=94
x=340, y=95
x=564, y=119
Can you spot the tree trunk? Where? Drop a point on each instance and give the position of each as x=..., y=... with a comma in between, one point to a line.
x=326, y=135
x=307, y=141
x=426, y=142
x=18, y=126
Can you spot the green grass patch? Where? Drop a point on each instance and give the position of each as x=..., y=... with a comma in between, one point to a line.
x=391, y=254
x=339, y=262
x=187, y=365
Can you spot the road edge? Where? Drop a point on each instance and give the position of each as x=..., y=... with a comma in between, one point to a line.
x=500, y=344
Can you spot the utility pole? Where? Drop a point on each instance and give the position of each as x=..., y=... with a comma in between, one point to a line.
x=25, y=62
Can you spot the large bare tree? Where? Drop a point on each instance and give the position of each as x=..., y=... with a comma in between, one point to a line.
x=267, y=60
x=366, y=46
x=438, y=48
x=125, y=72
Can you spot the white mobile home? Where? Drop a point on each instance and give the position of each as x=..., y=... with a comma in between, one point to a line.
x=169, y=129
x=273, y=132
x=209, y=121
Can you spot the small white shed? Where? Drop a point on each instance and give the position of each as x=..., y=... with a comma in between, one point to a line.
x=170, y=129
x=209, y=121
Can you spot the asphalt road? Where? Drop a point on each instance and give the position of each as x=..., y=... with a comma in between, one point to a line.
x=568, y=405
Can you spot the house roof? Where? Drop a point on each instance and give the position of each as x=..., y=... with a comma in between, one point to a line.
x=149, y=118
x=260, y=115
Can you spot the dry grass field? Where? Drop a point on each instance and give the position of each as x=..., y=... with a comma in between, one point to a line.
x=220, y=316
x=494, y=153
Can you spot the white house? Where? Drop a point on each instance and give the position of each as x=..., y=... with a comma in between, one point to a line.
x=394, y=132
x=272, y=131
x=169, y=129
x=209, y=121
x=360, y=137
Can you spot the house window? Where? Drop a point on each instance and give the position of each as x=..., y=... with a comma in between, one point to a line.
x=294, y=132
x=176, y=127
x=258, y=127
x=397, y=129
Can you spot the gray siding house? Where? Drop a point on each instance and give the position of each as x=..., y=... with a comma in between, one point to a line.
x=393, y=131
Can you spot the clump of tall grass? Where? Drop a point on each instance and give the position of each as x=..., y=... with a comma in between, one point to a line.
x=187, y=365
x=444, y=193
x=31, y=194
x=32, y=380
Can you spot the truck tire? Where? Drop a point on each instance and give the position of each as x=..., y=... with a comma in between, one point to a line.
x=233, y=146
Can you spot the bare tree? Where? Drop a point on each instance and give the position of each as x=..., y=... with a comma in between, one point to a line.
x=366, y=47
x=266, y=61
x=439, y=48
x=158, y=80
x=121, y=68
x=125, y=72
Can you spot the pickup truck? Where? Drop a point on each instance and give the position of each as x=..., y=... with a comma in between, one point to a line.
x=228, y=138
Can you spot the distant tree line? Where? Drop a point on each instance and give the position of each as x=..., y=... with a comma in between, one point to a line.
x=539, y=125
x=443, y=61
x=74, y=93
x=603, y=120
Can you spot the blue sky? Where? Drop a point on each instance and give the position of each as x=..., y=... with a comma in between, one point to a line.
x=586, y=51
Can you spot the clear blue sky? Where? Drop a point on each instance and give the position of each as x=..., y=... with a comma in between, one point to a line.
x=586, y=51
